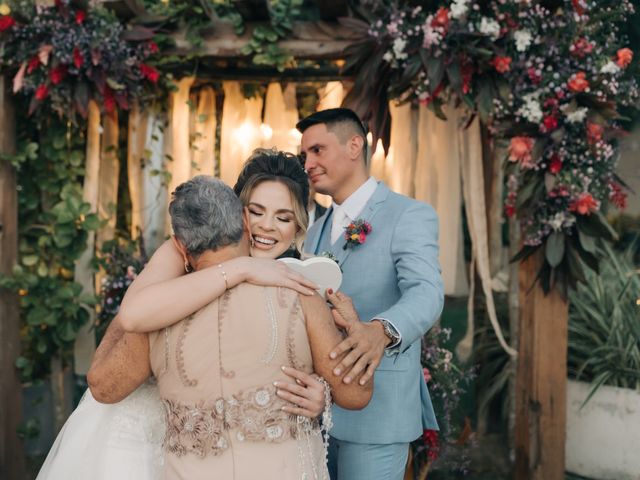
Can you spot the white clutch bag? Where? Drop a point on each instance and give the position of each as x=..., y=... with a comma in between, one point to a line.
x=323, y=271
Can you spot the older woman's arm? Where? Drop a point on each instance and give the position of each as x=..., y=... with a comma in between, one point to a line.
x=323, y=336
x=162, y=295
x=120, y=364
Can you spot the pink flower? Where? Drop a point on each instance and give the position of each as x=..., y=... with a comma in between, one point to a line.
x=153, y=47
x=42, y=92
x=520, y=150
x=578, y=82
x=534, y=76
x=427, y=375
x=362, y=238
x=581, y=47
x=432, y=441
x=617, y=196
x=585, y=204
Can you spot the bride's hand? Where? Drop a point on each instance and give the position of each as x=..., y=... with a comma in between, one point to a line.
x=306, y=395
x=267, y=272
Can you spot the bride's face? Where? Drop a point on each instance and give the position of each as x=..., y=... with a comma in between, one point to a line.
x=271, y=219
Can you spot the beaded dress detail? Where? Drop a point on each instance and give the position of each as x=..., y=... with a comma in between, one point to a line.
x=226, y=421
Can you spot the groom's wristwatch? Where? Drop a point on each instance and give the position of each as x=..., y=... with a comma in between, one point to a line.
x=390, y=331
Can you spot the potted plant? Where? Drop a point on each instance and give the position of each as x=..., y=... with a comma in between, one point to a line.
x=603, y=394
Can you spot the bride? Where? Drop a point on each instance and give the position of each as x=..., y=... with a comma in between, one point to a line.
x=124, y=440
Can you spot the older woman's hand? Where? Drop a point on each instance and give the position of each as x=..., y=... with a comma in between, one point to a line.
x=267, y=272
x=306, y=395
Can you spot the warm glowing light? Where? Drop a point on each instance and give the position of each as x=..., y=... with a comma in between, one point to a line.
x=370, y=138
x=638, y=301
x=266, y=131
x=295, y=134
x=244, y=132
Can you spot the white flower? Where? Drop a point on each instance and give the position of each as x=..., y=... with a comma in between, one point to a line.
x=577, y=116
x=523, y=39
x=561, y=220
x=610, y=67
x=388, y=57
x=489, y=27
x=458, y=8
x=431, y=35
x=398, y=48
x=531, y=108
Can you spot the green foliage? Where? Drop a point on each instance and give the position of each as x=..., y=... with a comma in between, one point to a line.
x=604, y=324
x=54, y=223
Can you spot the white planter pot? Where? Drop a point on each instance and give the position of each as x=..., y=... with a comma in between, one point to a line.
x=603, y=438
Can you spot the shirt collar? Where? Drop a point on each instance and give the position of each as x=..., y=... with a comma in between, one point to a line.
x=355, y=203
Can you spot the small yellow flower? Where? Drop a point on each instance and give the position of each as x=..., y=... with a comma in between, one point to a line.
x=355, y=236
x=22, y=292
x=4, y=9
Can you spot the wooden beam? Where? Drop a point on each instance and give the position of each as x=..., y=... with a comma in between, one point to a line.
x=11, y=450
x=310, y=40
x=541, y=385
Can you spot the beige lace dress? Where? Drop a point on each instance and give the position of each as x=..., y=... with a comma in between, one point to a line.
x=215, y=373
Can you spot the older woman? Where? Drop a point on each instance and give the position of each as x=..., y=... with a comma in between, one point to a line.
x=218, y=369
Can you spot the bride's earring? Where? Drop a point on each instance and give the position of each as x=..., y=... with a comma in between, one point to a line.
x=252, y=241
x=187, y=266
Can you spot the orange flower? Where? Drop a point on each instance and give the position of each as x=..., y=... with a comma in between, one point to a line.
x=578, y=82
x=501, y=64
x=520, y=150
x=594, y=132
x=585, y=204
x=624, y=57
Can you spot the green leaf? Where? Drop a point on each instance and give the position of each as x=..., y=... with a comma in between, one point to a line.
x=29, y=260
x=554, y=249
x=435, y=72
x=485, y=100
x=91, y=222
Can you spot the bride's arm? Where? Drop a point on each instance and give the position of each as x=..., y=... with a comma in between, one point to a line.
x=162, y=295
x=323, y=336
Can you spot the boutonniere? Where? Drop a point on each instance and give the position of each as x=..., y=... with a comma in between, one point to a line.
x=356, y=233
x=329, y=255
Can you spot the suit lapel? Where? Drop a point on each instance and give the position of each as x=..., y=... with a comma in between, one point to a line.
x=316, y=237
x=367, y=214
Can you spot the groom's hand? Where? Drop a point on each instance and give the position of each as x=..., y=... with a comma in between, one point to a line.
x=365, y=343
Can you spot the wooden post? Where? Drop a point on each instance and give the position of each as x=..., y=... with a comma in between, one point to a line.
x=541, y=380
x=11, y=451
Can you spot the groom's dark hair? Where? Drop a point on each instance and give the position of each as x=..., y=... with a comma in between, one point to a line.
x=336, y=120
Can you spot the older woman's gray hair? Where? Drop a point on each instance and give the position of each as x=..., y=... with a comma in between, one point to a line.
x=206, y=215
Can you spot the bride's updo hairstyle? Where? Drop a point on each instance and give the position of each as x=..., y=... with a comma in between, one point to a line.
x=276, y=166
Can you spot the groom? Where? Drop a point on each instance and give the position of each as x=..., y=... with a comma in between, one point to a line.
x=395, y=283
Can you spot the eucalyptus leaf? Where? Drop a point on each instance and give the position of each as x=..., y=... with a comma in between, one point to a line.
x=554, y=248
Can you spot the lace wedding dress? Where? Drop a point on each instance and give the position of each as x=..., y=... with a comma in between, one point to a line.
x=121, y=441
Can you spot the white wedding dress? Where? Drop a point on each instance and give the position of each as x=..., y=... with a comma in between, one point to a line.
x=120, y=441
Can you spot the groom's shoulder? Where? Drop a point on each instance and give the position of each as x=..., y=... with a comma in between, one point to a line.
x=401, y=203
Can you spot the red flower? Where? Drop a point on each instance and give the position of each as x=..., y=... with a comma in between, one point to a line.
x=149, y=73
x=80, y=16
x=509, y=210
x=109, y=101
x=555, y=164
x=578, y=82
x=56, y=75
x=153, y=47
x=501, y=64
x=426, y=374
x=430, y=98
x=520, y=150
x=467, y=75
x=363, y=237
x=33, y=64
x=432, y=441
x=78, y=59
x=624, y=57
x=594, y=132
x=42, y=92
x=581, y=47
x=617, y=196
x=579, y=6
x=559, y=191
x=584, y=204
x=441, y=18
x=550, y=123
x=534, y=76
x=6, y=22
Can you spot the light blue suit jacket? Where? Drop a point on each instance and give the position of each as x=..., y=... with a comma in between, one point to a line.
x=394, y=275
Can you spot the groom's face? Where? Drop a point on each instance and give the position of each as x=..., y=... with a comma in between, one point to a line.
x=326, y=159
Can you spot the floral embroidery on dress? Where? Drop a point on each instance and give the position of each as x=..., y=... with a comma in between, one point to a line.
x=182, y=371
x=254, y=414
x=294, y=318
x=223, y=306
